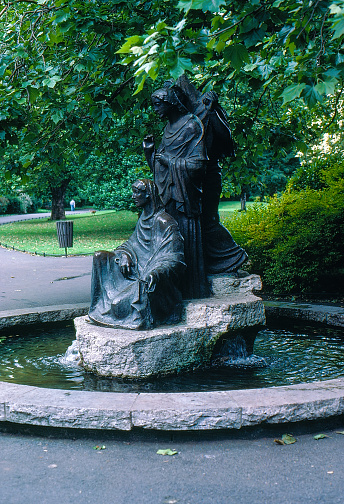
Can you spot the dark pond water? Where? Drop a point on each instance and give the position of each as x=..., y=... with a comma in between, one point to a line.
x=294, y=354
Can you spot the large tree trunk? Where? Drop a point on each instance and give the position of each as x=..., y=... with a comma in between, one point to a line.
x=57, y=203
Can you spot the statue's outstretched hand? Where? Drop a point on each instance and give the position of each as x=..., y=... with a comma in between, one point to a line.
x=125, y=265
x=148, y=143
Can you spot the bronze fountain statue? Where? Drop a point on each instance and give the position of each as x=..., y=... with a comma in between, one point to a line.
x=140, y=284
x=170, y=293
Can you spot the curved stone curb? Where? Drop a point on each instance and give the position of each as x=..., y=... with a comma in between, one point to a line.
x=330, y=315
x=232, y=409
x=23, y=404
x=57, y=313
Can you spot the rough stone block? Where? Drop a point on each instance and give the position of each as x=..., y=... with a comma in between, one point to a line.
x=188, y=411
x=306, y=401
x=166, y=349
x=236, y=283
x=223, y=314
x=27, y=316
x=71, y=409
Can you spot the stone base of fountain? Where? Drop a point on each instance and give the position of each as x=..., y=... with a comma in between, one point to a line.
x=232, y=310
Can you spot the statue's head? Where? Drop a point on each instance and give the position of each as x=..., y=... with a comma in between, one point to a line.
x=144, y=192
x=169, y=96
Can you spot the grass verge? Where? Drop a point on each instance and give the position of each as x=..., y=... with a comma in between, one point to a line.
x=104, y=230
x=101, y=230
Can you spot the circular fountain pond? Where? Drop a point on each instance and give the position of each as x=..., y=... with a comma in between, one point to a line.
x=296, y=353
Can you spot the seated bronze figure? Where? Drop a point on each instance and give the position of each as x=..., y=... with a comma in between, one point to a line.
x=137, y=285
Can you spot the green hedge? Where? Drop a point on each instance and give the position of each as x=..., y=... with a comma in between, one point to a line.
x=106, y=181
x=19, y=204
x=296, y=241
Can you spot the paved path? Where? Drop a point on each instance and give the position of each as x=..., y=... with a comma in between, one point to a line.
x=238, y=468
x=6, y=219
x=28, y=281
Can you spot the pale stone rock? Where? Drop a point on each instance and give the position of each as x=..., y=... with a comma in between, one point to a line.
x=224, y=314
x=237, y=283
x=75, y=409
x=331, y=315
x=186, y=411
x=170, y=349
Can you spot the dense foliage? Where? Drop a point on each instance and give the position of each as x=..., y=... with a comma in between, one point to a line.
x=21, y=203
x=105, y=181
x=74, y=73
x=296, y=241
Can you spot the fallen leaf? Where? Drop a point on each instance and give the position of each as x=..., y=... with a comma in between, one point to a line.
x=288, y=439
x=320, y=436
x=340, y=432
x=329, y=472
x=97, y=447
x=279, y=441
x=167, y=452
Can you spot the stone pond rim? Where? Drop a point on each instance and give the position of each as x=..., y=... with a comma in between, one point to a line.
x=28, y=405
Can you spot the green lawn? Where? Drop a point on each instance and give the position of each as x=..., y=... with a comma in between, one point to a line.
x=231, y=206
x=102, y=230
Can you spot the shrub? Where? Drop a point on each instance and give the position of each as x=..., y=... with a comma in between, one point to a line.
x=13, y=206
x=21, y=203
x=3, y=204
x=296, y=241
x=25, y=203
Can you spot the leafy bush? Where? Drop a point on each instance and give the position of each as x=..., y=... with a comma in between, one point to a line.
x=13, y=206
x=296, y=241
x=3, y=204
x=21, y=203
x=105, y=181
x=25, y=203
x=320, y=172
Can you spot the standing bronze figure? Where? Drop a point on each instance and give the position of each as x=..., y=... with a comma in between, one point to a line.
x=187, y=174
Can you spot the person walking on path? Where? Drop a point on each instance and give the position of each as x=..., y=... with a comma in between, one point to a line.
x=72, y=205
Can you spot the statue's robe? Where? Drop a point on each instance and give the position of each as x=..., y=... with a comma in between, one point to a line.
x=155, y=247
x=189, y=188
x=221, y=252
x=180, y=188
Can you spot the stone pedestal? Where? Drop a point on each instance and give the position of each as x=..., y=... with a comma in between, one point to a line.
x=170, y=349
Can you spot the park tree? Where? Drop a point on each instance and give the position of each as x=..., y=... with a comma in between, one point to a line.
x=277, y=64
x=61, y=87
x=75, y=73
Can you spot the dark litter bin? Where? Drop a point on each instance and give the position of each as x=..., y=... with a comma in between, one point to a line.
x=65, y=234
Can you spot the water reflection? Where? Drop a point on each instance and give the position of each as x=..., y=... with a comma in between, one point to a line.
x=36, y=356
